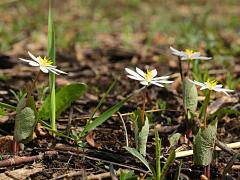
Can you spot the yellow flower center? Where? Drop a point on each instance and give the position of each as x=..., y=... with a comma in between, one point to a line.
x=189, y=53
x=211, y=84
x=148, y=76
x=44, y=62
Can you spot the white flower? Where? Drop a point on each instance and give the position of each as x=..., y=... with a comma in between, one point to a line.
x=44, y=64
x=147, y=78
x=212, y=85
x=188, y=54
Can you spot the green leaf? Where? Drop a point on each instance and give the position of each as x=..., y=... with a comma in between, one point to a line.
x=173, y=139
x=143, y=137
x=103, y=117
x=135, y=153
x=64, y=97
x=189, y=96
x=25, y=122
x=203, y=144
x=168, y=163
x=158, y=153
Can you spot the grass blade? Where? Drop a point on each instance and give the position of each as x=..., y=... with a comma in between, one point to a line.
x=107, y=114
x=168, y=163
x=52, y=56
x=7, y=106
x=103, y=98
x=135, y=153
x=157, y=153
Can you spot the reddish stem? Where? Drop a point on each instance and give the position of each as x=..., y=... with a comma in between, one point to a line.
x=180, y=67
x=15, y=147
x=143, y=106
x=205, y=111
x=32, y=86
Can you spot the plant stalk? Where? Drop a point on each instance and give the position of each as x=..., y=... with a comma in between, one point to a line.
x=206, y=168
x=180, y=67
x=143, y=106
x=205, y=110
x=30, y=90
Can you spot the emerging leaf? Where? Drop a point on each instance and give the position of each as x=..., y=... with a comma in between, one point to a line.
x=203, y=144
x=173, y=139
x=143, y=137
x=141, y=132
x=25, y=122
x=189, y=96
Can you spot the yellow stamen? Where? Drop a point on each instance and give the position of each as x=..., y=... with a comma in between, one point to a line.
x=44, y=61
x=190, y=52
x=211, y=84
x=148, y=76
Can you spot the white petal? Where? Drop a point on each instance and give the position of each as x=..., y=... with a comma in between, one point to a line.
x=32, y=56
x=57, y=70
x=133, y=73
x=159, y=78
x=43, y=69
x=197, y=83
x=157, y=84
x=51, y=70
x=222, y=89
x=30, y=62
x=219, y=86
x=176, y=52
x=25, y=60
x=202, y=58
x=162, y=81
x=204, y=87
x=184, y=58
x=154, y=72
x=33, y=63
x=196, y=54
x=145, y=83
x=139, y=71
x=133, y=77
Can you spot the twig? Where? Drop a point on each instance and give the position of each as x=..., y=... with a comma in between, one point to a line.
x=190, y=152
x=102, y=175
x=224, y=147
x=124, y=127
x=98, y=159
x=25, y=159
x=68, y=175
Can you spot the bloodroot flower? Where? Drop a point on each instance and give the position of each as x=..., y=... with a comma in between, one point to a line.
x=147, y=78
x=44, y=64
x=212, y=85
x=188, y=54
